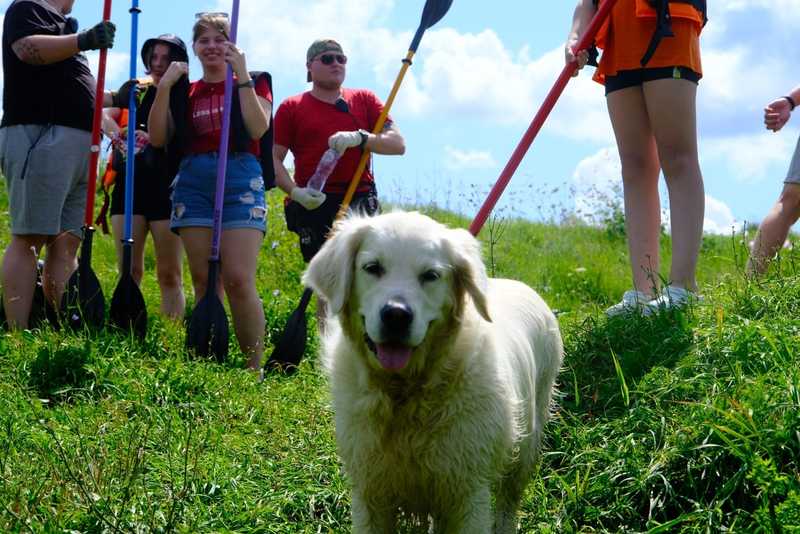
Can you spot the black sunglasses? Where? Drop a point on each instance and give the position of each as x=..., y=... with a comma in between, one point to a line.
x=328, y=59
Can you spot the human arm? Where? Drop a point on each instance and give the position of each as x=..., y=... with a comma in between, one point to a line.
x=581, y=18
x=778, y=112
x=255, y=109
x=160, y=122
x=109, y=119
x=42, y=49
x=389, y=142
x=308, y=198
x=120, y=98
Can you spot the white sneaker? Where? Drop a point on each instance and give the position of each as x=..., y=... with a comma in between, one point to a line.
x=633, y=301
x=674, y=297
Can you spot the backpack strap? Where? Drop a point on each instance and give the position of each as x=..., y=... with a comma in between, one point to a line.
x=664, y=23
x=242, y=139
x=663, y=29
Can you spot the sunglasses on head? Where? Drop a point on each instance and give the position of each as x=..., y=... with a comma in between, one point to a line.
x=328, y=59
x=211, y=14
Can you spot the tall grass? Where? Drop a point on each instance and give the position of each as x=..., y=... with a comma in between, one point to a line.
x=681, y=422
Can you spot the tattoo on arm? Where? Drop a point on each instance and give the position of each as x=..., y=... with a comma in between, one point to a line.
x=27, y=51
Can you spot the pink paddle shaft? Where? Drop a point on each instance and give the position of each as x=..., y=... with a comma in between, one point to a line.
x=94, y=155
x=541, y=116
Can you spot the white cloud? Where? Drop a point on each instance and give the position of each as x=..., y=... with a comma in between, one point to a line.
x=719, y=218
x=117, y=65
x=456, y=159
x=750, y=158
x=597, y=187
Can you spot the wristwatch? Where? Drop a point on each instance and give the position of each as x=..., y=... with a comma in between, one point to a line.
x=249, y=83
x=364, y=138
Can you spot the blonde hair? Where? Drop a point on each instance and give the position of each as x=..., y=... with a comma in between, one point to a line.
x=210, y=21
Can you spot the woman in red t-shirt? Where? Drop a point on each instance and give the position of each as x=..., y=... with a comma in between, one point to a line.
x=652, y=110
x=244, y=211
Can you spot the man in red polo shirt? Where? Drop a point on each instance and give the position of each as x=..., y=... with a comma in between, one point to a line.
x=328, y=116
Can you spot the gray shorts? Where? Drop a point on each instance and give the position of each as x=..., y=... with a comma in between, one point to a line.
x=794, y=167
x=46, y=168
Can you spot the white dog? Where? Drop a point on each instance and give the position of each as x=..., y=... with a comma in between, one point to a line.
x=441, y=378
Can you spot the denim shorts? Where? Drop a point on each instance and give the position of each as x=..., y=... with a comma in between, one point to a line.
x=194, y=189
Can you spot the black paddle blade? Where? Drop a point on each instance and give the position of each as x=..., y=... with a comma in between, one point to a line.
x=83, y=303
x=207, y=333
x=128, y=310
x=432, y=13
x=291, y=346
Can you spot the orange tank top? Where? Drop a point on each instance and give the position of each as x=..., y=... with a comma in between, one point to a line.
x=625, y=36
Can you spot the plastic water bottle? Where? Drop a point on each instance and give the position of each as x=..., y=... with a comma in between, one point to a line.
x=324, y=169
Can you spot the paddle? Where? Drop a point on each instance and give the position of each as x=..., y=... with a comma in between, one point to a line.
x=128, y=310
x=207, y=332
x=83, y=301
x=291, y=346
x=544, y=111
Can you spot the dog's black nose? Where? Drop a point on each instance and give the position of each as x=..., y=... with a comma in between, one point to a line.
x=396, y=316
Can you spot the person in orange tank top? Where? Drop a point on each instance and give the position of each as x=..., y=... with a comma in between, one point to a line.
x=651, y=103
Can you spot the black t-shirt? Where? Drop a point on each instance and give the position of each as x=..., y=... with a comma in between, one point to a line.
x=61, y=93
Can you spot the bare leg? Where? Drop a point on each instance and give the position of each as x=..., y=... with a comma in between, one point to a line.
x=671, y=106
x=169, y=260
x=241, y=247
x=59, y=263
x=19, y=278
x=640, y=170
x=774, y=229
x=197, y=243
x=139, y=236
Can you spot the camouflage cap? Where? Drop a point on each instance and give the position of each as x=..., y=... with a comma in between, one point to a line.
x=322, y=45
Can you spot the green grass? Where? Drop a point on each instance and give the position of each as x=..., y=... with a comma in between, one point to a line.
x=683, y=422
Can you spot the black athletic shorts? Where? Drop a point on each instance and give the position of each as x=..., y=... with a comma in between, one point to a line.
x=151, y=193
x=632, y=78
x=313, y=226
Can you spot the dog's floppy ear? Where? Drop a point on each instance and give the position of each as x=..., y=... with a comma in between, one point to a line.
x=330, y=272
x=468, y=269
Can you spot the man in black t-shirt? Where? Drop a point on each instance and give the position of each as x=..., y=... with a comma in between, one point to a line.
x=45, y=136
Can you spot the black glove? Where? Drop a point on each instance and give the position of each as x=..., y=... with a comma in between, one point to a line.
x=101, y=35
x=121, y=98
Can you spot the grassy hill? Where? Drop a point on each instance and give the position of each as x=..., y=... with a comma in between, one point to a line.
x=683, y=422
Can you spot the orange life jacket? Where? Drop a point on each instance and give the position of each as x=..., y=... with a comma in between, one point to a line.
x=662, y=11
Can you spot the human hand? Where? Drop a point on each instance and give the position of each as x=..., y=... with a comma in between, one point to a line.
x=235, y=58
x=99, y=36
x=308, y=198
x=122, y=98
x=174, y=72
x=581, y=58
x=341, y=141
x=777, y=114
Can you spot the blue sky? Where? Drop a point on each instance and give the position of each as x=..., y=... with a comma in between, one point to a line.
x=481, y=73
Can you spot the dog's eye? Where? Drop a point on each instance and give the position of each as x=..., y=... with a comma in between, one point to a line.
x=374, y=268
x=429, y=276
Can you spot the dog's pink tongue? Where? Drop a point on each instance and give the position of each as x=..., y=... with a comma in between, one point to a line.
x=393, y=357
